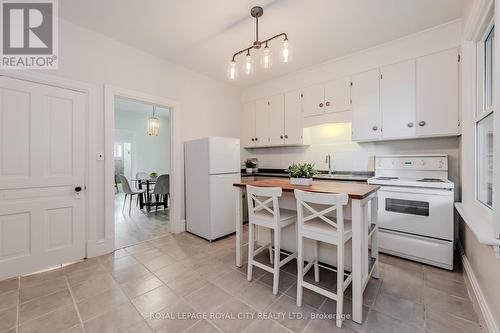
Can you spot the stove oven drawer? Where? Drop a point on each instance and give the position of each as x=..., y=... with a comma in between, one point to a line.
x=426, y=212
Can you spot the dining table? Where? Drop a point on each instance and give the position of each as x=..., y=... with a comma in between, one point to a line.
x=145, y=183
x=362, y=209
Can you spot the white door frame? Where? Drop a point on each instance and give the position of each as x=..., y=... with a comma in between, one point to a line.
x=92, y=245
x=177, y=224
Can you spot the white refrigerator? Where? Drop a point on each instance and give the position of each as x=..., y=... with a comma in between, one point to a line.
x=212, y=166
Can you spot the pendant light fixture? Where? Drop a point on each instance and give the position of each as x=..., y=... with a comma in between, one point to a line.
x=153, y=124
x=266, y=57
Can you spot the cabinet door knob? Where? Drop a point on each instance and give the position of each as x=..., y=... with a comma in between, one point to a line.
x=320, y=105
x=286, y=136
x=327, y=103
x=375, y=128
x=78, y=188
x=256, y=139
x=253, y=139
x=410, y=124
x=281, y=136
x=422, y=123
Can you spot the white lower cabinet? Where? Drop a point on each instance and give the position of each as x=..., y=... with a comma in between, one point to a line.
x=366, y=118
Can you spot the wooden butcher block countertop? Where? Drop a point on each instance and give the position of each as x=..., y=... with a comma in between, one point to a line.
x=354, y=190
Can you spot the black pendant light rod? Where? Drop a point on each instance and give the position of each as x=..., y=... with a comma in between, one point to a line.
x=258, y=12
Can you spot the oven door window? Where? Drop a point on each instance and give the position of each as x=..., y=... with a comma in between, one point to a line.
x=410, y=207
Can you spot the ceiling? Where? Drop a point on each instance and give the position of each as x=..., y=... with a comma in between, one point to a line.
x=128, y=105
x=203, y=35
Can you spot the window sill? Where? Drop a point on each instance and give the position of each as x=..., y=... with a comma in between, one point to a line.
x=480, y=226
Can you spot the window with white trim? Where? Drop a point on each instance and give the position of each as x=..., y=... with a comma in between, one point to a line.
x=484, y=120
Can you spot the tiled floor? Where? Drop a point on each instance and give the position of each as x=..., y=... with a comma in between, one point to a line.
x=138, y=226
x=182, y=274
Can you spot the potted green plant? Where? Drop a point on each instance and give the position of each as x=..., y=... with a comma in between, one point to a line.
x=302, y=173
x=249, y=165
x=153, y=175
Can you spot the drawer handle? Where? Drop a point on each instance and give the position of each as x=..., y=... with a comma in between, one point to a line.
x=422, y=123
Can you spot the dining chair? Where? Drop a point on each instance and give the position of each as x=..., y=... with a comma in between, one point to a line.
x=264, y=211
x=162, y=191
x=128, y=191
x=315, y=223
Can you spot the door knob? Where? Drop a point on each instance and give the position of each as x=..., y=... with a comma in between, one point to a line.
x=78, y=189
x=410, y=124
x=422, y=123
x=375, y=128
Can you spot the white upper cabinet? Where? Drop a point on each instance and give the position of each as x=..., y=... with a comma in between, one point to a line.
x=248, y=125
x=276, y=106
x=365, y=94
x=293, y=118
x=332, y=96
x=314, y=100
x=397, y=100
x=262, y=123
x=437, y=94
x=338, y=95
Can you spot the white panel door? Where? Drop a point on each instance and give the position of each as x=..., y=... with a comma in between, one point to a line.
x=365, y=94
x=397, y=100
x=261, y=123
x=276, y=107
x=338, y=95
x=437, y=94
x=293, y=118
x=248, y=125
x=42, y=159
x=314, y=100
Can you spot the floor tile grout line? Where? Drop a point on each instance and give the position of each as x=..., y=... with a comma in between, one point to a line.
x=75, y=304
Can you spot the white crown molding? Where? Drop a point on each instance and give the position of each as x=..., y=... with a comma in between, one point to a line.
x=480, y=14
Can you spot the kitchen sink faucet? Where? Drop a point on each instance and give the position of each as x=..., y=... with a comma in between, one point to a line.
x=329, y=161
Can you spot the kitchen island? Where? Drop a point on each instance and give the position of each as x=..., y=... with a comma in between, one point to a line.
x=361, y=209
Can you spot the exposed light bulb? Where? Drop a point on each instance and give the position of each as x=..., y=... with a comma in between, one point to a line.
x=231, y=72
x=266, y=59
x=248, y=65
x=285, y=52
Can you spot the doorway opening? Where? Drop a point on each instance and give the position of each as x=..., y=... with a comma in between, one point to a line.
x=142, y=168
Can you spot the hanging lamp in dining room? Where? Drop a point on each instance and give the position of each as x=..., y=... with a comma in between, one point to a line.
x=153, y=124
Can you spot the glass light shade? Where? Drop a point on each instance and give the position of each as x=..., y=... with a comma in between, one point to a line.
x=266, y=60
x=285, y=52
x=248, y=65
x=153, y=126
x=231, y=71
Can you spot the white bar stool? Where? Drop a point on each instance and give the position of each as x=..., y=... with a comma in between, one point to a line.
x=264, y=211
x=314, y=224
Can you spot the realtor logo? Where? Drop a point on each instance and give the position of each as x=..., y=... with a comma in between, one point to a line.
x=29, y=34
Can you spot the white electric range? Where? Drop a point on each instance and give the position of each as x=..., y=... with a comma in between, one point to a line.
x=415, y=207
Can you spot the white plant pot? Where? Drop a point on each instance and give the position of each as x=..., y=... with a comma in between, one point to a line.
x=255, y=170
x=301, y=181
x=249, y=170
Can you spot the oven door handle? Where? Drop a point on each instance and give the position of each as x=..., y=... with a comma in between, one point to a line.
x=416, y=190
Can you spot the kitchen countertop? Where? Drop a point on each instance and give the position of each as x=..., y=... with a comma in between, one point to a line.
x=338, y=175
x=354, y=190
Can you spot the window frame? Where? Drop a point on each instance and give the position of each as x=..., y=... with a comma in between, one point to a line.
x=482, y=109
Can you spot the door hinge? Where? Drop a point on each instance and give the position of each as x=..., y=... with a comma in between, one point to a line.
x=381, y=76
x=350, y=101
x=459, y=58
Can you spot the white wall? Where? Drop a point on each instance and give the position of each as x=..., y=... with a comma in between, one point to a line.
x=208, y=106
x=149, y=153
x=336, y=139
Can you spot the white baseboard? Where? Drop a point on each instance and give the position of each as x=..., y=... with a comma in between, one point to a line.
x=99, y=248
x=178, y=226
x=478, y=293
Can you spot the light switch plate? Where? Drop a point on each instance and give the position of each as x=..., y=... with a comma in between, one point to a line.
x=100, y=156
